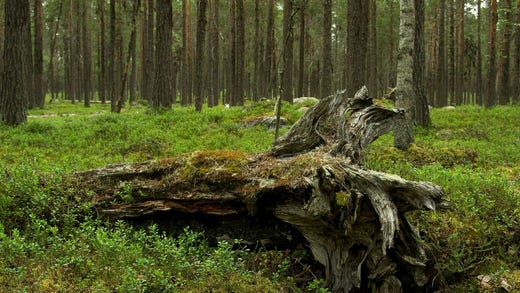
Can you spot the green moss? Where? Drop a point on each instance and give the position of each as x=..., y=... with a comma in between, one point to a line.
x=420, y=155
x=342, y=198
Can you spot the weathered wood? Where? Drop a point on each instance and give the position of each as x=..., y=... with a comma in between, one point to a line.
x=312, y=179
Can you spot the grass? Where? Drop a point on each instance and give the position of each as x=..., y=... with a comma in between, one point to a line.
x=50, y=242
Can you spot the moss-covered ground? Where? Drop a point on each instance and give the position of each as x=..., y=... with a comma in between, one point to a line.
x=51, y=242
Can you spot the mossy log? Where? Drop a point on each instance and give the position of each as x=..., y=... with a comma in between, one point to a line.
x=312, y=179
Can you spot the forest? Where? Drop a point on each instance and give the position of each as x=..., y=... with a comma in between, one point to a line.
x=151, y=145
x=211, y=52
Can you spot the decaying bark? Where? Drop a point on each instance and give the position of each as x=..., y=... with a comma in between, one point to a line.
x=312, y=179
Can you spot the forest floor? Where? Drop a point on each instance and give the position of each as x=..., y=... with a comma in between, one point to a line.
x=50, y=239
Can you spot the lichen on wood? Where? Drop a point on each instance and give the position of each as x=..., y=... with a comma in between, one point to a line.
x=312, y=178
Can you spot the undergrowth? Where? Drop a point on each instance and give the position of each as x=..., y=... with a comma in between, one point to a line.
x=50, y=242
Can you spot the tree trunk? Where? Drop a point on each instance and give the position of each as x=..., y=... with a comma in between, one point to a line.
x=372, y=79
x=357, y=39
x=29, y=64
x=451, y=52
x=87, y=56
x=215, y=54
x=13, y=90
x=479, y=84
x=405, y=93
x=148, y=62
x=39, y=92
x=326, y=75
x=301, y=55
x=199, y=55
x=353, y=218
x=515, y=78
x=102, y=53
x=162, y=91
x=52, y=83
x=187, y=57
x=112, y=57
x=131, y=52
x=459, y=72
x=270, y=55
x=240, y=51
x=504, y=60
x=491, y=71
x=422, y=111
x=441, y=98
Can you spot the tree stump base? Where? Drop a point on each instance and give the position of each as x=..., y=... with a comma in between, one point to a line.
x=312, y=178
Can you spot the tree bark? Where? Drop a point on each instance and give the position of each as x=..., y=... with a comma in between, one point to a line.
x=515, y=78
x=187, y=55
x=312, y=179
x=301, y=54
x=441, y=98
x=357, y=40
x=215, y=54
x=240, y=54
x=405, y=93
x=199, y=56
x=422, y=111
x=326, y=76
x=87, y=56
x=39, y=93
x=162, y=91
x=13, y=90
x=479, y=84
x=286, y=78
x=460, y=70
x=504, y=59
x=102, y=53
x=491, y=70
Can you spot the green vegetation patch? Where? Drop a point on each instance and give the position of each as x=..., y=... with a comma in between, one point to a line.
x=50, y=243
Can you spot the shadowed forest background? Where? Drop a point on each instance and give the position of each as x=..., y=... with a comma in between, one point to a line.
x=211, y=52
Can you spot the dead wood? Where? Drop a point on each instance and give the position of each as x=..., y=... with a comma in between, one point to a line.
x=312, y=179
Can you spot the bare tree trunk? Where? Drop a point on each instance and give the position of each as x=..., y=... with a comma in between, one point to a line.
x=301, y=55
x=479, y=88
x=187, y=56
x=102, y=52
x=357, y=39
x=441, y=98
x=270, y=55
x=450, y=60
x=231, y=55
x=215, y=54
x=13, y=90
x=39, y=90
x=459, y=72
x=326, y=75
x=372, y=79
x=504, y=60
x=240, y=51
x=52, y=84
x=405, y=93
x=491, y=71
x=515, y=79
x=87, y=56
x=131, y=51
x=162, y=91
x=422, y=111
x=112, y=57
x=199, y=55
x=148, y=62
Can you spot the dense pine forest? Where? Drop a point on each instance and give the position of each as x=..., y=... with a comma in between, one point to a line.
x=205, y=91
x=211, y=52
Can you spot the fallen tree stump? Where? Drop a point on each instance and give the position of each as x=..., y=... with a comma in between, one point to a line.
x=311, y=179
